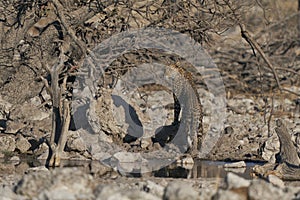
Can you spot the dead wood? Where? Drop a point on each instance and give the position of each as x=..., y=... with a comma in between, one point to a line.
x=288, y=172
x=288, y=152
x=60, y=113
x=289, y=169
x=288, y=166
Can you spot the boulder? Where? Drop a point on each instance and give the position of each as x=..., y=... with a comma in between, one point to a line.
x=22, y=144
x=180, y=191
x=7, y=143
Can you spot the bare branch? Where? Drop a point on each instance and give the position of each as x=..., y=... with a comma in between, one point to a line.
x=60, y=13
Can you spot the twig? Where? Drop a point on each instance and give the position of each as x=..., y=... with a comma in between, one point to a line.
x=69, y=30
x=252, y=42
x=287, y=69
x=290, y=91
x=48, y=88
x=279, y=23
x=270, y=117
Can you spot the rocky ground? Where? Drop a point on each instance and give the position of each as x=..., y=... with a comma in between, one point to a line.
x=112, y=165
x=97, y=182
x=246, y=137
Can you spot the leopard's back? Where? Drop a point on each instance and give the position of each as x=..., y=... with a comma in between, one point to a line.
x=185, y=92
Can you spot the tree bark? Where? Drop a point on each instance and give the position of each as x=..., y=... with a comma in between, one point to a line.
x=288, y=152
x=289, y=168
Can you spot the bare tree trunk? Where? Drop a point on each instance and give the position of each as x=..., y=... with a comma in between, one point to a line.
x=60, y=114
x=56, y=122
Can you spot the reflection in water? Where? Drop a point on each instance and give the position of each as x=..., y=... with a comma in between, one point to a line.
x=203, y=169
x=200, y=169
x=212, y=169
